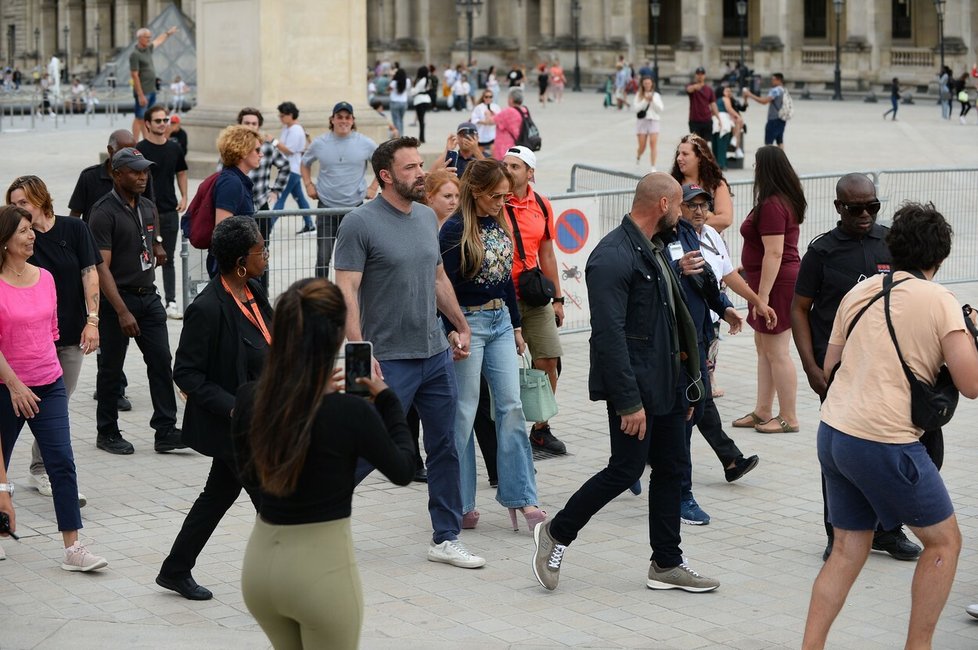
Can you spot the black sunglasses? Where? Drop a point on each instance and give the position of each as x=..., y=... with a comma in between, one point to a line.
x=856, y=209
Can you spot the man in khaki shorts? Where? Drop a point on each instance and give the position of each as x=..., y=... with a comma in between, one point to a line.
x=534, y=217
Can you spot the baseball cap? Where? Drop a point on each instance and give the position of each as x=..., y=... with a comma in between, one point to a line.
x=343, y=106
x=174, y=119
x=701, y=70
x=523, y=154
x=466, y=127
x=691, y=191
x=130, y=157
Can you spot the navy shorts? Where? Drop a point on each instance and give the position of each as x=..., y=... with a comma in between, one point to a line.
x=774, y=132
x=870, y=482
x=138, y=110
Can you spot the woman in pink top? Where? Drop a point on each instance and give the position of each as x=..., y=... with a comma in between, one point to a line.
x=31, y=387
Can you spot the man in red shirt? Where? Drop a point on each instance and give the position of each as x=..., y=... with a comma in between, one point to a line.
x=534, y=217
x=508, y=122
x=702, y=106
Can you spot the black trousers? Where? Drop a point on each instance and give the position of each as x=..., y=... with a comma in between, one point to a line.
x=220, y=492
x=664, y=449
x=169, y=227
x=707, y=419
x=703, y=129
x=153, y=341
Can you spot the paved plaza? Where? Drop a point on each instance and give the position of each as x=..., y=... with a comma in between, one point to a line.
x=764, y=542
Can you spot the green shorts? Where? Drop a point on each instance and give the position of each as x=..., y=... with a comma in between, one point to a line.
x=540, y=331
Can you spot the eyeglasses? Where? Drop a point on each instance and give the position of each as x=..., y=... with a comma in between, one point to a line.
x=856, y=209
x=496, y=197
x=263, y=252
x=487, y=97
x=160, y=120
x=698, y=207
x=257, y=149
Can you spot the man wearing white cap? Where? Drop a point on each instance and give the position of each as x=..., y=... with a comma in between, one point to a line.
x=532, y=219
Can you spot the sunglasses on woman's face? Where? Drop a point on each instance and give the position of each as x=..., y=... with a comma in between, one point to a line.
x=856, y=209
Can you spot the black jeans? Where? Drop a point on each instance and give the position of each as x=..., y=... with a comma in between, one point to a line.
x=664, y=449
x=707, y=419
x=420, y=109
x=169, y=227
x=220, y=493
x=154, y=343
x=326, y=227
x=702, y=129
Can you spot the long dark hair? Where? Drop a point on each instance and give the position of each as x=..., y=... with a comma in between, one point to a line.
x=400, y=81
x=708, y=169
x=307, y=330
x=774, y=176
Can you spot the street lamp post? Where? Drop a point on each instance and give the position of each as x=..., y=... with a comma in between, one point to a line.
x=939, y=5
x=98, y=48
x=742, y=23
x=469, y=8
x=655, y=7
x=576, y=15
x=67, y=33
x=837, y=5
x=37, y=47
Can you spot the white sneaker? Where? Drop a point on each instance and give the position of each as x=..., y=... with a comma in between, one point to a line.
x=43, y=485
x=961, y=119
x=3, y=556
x=173, y=312
x=79, y=558
x=454, y=552
x=739, y=153
x=971, y=609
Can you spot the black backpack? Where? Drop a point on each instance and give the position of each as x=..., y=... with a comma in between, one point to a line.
x=529, y=136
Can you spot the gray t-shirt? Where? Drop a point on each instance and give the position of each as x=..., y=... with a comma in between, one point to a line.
x=342, y=167
x=398, y=255
x=141, y=61
x=777, y=99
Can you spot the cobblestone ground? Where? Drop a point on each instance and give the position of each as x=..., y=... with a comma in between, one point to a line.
x=764, y=542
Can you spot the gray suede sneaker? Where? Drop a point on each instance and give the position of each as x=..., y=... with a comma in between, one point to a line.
x=547, y=557
x=679, y=577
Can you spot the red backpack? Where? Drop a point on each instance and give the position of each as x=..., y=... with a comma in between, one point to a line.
x=198, y=222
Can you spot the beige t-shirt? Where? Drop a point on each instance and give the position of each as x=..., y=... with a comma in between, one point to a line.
x=870, y=396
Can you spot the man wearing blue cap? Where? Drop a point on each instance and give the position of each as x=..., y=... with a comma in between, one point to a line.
x=343, y=155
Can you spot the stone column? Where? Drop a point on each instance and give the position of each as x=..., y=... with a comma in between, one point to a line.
x=958, y=18
x=50, y=42
x=402, y=19
x=126, y=12
x=78, y=36
x=689, y=49
x=244, y=45
x=769, y=50
x=547, y=25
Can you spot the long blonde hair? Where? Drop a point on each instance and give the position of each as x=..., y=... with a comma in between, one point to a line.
x=480, y=177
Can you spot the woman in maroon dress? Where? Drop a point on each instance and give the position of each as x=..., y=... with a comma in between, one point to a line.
x=771, y=261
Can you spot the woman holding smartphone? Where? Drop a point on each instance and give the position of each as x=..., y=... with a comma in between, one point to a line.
x=297, y=441
x=477, y=251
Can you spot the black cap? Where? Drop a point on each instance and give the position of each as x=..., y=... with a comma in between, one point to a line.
x=343, y=106
x=691, y=191
x=467, y=127
x=701, y=70
x=130, y=157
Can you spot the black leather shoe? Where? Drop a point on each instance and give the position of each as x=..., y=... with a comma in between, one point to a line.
x=186, y=587
x=741, y=466
x=124, y=404
x=828, y=550
x=114, y=444
x=895, y=543
x=169, y=441
x=420, y=475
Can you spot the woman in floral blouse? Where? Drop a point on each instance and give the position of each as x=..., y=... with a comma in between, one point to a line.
x=477, y=251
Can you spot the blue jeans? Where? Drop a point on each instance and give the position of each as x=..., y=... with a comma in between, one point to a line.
x=293, y=188
x=429, y=385
x=51, y=431
x=397, y=115
x=139, y=111
x=664, y=448
x=493, y=352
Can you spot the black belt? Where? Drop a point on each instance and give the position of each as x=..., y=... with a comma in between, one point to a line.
x=139, y=291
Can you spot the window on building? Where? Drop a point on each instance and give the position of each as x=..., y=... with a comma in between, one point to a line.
x=731, y=21
x=902, y=23
x=816, y=18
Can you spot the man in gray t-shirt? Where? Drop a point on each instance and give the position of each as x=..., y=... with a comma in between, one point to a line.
x=774, y=128
x=143, y=74
x=389, y=268
x=343, y=155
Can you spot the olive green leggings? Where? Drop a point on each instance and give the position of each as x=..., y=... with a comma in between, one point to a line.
x=302, y=585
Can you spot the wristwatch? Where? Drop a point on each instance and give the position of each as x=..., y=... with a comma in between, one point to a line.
x=7, y=487
x=159, y=240
x=559, y=301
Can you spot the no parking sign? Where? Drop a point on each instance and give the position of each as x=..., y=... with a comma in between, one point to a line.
x=573, y=244
x=572, y=231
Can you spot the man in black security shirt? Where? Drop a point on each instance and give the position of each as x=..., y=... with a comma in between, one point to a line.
x=126, y=227
x=169, y=166
x=834, y=263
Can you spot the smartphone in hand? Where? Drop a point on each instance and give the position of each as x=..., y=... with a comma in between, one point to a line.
x=359, y=363
x=452, y=158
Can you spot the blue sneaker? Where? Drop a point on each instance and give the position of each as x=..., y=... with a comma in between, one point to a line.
x=691, y=513
x=636, y=487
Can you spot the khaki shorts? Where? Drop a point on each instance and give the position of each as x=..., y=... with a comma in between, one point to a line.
x=540, y=331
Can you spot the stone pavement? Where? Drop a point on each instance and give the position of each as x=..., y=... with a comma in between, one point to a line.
x=764, y=542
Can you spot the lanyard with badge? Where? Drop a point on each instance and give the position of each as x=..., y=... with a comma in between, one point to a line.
x=145, y=255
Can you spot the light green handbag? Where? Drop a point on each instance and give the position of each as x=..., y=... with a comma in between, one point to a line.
x=539, y=403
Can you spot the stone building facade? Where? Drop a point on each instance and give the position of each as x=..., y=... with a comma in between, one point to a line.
x=879, y=39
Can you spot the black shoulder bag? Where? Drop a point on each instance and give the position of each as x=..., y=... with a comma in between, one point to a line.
x=536, y=289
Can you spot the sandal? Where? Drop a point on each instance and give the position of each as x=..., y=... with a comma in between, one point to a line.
x=781, y=426
x=748, y=421
x=718, y=392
